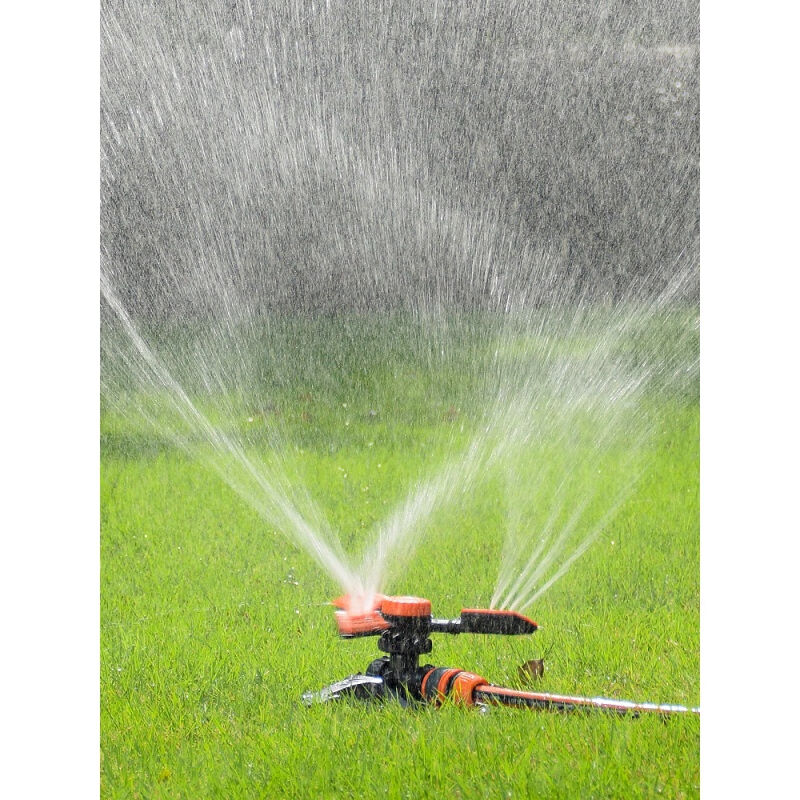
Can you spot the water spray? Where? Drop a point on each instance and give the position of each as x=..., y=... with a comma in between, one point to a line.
x=404, y=626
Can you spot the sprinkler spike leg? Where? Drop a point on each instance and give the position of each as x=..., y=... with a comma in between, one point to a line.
x=499, y=695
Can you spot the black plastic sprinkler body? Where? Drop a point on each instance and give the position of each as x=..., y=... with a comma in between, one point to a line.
x=404, y=625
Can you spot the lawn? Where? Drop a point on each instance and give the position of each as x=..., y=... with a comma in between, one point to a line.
x=213, y=623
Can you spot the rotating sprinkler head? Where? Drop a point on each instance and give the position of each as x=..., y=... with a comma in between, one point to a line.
x=404, y=626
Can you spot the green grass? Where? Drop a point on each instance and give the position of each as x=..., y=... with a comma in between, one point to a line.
x=213, y=624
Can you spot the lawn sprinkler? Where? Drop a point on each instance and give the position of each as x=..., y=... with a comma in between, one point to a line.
x=404, y=626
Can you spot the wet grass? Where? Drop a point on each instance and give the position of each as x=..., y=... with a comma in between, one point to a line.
x=213, y=624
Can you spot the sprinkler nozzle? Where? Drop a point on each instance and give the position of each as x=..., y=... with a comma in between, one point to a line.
x=359, y=615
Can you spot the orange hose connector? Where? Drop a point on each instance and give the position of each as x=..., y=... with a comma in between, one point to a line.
x=463, y=689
